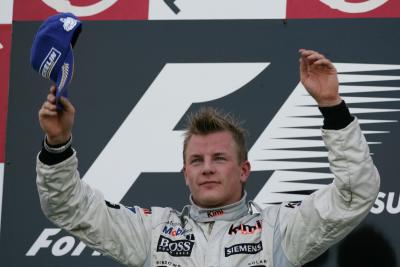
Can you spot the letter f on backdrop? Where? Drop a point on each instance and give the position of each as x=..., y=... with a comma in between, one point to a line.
x=146, y=141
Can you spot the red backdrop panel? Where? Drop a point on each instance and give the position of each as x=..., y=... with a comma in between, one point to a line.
x=336, y=8
x=5, y=44
x=85, y=9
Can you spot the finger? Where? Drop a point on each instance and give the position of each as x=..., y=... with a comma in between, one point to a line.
x=303, y=68
x=324, y=62
x=311, y=56
x=305, y=60
x=49, y=106
x=53, y=89
x=311, y=59
x=49, y=113
x=306, y=52
x=315, y=56
x=51, y=98
x=43, y=112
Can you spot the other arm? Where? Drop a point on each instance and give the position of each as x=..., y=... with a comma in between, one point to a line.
x=329, y=214
x=120, y=232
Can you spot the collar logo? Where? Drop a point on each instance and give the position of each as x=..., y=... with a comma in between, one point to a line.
x=215, y=213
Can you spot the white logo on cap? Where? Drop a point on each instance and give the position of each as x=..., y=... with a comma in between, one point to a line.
x=1, y=46
x=65, y=71
x=49, y=62
x=69, y=23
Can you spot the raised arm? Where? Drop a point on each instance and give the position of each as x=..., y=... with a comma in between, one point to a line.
x=112, y=229
x=329, y=214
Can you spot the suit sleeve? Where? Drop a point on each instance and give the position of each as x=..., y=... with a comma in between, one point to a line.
x=112, y=229
x=329, y=214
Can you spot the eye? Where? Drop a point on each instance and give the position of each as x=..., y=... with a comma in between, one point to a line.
x=220, y=158
x=195, y=160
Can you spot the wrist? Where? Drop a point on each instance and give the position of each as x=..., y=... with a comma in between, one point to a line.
x=57, y=148
x=51, y=155
x=336, y=117
x=58, y=140
x=323, y=103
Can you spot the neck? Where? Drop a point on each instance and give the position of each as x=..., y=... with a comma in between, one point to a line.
x=228, y=212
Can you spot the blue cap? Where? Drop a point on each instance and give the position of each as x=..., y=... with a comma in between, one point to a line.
x=52, y=55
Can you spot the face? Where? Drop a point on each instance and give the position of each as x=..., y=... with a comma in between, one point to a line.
x=212, y=170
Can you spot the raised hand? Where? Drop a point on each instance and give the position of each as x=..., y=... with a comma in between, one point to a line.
x=319, y=77
x=57, y=124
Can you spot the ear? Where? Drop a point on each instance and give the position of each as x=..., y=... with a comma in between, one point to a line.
x=245, y=171
x=184, y=175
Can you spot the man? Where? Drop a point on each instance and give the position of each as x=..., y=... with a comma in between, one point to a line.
x=219, y=228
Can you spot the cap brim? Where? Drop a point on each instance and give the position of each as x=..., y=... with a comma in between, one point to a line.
x=65, y=76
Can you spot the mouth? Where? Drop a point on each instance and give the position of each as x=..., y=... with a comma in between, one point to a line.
x=208, y=183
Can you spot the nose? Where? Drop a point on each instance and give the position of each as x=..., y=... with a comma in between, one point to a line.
x=208, y=168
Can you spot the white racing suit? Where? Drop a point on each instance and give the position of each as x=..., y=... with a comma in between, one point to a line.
x=281, y=236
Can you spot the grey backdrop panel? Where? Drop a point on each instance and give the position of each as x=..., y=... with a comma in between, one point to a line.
x=115, y=64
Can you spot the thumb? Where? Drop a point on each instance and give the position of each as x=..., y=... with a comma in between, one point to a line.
x=303, y=68
x=67, y=105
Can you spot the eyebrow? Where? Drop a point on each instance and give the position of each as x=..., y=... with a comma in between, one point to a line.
x=200, y=155
x=195, y=156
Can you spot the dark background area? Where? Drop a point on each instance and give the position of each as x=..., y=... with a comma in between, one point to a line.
x=116, y=61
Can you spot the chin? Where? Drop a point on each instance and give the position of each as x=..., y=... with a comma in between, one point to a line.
x=210, y=200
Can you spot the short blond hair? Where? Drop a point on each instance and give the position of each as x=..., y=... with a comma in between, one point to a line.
x=210, y=120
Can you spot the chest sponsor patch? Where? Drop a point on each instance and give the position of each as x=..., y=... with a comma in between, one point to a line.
x=112, y=205
x=178, y=248
x=293, y=204
x=245, y=248
x=258, y=263
x=176, y=231
x=165, y=263
x=245, y=229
